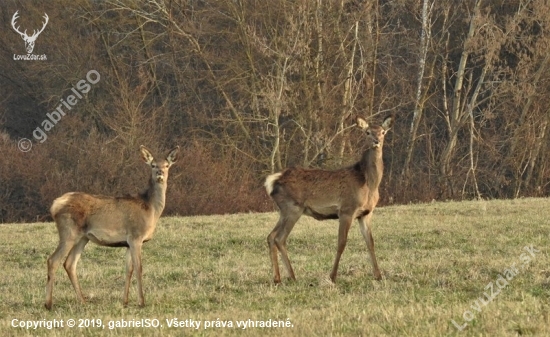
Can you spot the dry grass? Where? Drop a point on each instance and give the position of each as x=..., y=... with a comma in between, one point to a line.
x=437, y=260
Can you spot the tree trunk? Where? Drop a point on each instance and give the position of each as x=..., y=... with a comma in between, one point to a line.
x=419, y=102
x=457, y=116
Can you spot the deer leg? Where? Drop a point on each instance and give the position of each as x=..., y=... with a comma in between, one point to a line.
x=364, y=226
x=277, y=240
x=273, y=250
x=343, y=229
x=129, y=271
x=66, y=242
x=280, y=241
x=70, y=266
x=135, y=252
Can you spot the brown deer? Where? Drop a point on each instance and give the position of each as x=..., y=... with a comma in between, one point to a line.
x=345, y=194
x=113, y=222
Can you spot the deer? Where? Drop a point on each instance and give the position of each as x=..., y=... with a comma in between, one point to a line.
x=345, y=194
x=29, y=40
x=127, y=221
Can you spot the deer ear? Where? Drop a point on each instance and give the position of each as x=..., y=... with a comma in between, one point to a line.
x=172, y=156
x=146, y=155
x=388, y=123
x=361, y=123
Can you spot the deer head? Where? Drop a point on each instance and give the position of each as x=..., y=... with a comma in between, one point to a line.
x=375, y=134
x=29, y=40
x=159, y=168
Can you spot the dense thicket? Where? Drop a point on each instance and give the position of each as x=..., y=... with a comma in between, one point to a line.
x=248, y=87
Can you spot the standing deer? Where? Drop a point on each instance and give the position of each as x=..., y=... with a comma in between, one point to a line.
x=345, y=194
x=113, y=222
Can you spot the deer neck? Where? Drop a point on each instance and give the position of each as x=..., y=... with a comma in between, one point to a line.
x=372, y=166
x=155, y=197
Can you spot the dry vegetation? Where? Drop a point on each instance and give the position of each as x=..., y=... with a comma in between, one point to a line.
x=437, y=260
x=248, y=87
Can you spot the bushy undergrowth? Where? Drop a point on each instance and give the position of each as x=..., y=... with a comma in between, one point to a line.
x=201, y=182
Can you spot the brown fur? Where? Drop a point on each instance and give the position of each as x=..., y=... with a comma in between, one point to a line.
x=345, y=194
x=107, y=221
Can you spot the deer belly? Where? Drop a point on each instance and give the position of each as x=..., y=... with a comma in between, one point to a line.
x=322, y=213
x=107, y=238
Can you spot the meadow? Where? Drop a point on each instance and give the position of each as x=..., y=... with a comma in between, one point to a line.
x=472, y=268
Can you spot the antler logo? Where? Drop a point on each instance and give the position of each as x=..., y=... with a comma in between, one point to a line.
x=29, y=40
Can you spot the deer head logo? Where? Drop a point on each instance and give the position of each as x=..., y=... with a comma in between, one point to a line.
x=29, y=40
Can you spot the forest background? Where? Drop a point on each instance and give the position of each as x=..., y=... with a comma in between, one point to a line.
x=249, y=87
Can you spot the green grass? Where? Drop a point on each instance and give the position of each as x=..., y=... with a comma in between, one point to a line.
x=436, y=260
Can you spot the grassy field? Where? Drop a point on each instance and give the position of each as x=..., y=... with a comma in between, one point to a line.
x=454, y=268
